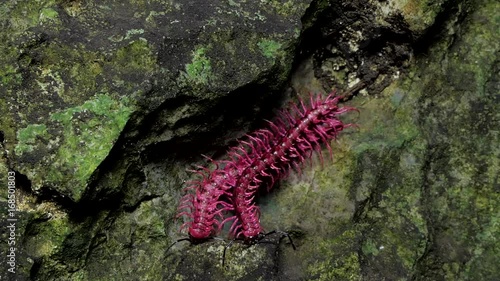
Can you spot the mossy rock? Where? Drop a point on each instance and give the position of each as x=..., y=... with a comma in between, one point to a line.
x=111, y=119
x=74, y=75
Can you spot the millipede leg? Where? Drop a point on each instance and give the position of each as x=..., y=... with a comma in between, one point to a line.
x=282, y=234
x=180, y=240
x=286, y=234
x=224, y=252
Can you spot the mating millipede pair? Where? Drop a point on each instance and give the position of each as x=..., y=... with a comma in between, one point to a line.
x=266, y=156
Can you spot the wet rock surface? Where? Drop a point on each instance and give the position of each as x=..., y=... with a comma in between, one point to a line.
x=104, y=107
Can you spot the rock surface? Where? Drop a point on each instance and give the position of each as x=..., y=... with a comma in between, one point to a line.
x=105, y=106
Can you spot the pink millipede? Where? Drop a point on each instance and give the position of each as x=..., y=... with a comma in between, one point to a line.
x=265, y=157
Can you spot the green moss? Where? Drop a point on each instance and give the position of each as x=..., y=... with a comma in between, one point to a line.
x=482, y=264
x=48, y=236
x=61, y=96
x=79, y=276
x=199, y=70
x=137, y=56
x=27, y=137
x=8, y=73
x=26, y=14
x=337, y=261
x=241, y=261
x=90, y=124
x=9, y=54
x=149, y=219
x=89, y=133
x=67, y=72
x=48, y=14
x=140, y=233
x=479, y=47
x=370, y=248
x=132, y=32
x=179, y=277
x=269, y=48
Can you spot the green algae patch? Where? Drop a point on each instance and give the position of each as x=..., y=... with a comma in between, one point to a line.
x=78, y=141
x=90, y=131
x=388, y=155
x=68, y=120
x=48, y=14
x=269, y=48
x=199, y=70
x=26, y=14
x=136, y=57
x=338, y=260
x=47, y=237
x=27, y=137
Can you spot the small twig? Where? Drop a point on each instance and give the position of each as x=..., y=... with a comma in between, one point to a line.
x=349, y=93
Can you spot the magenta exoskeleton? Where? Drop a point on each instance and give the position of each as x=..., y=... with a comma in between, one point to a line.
x=266, y=156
